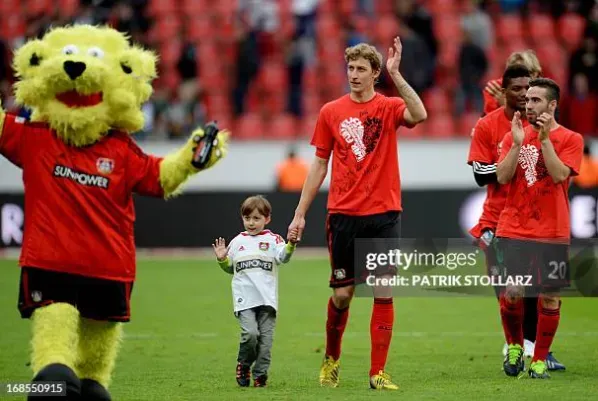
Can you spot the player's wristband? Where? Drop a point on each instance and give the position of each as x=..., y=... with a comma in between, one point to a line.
x=224, y=264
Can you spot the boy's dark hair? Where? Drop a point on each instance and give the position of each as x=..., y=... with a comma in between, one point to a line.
x=514, y=71
x=256, y=202
x=553, y=91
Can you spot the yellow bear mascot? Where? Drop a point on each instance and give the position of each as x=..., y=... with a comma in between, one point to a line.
x=85, y=86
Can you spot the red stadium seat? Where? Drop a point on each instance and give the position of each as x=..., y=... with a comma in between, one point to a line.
x=68, y=8
x=275, y=102
x=199, y=27
x=37, y=7
x=436, y=101
x=346, y=8
x=509, y=28
x=307, y=126
x=510, y=47
x=449, y=54
x=207, y=51
x=416, y=132
x=571, y=27
x=12, y=26
x=442, y=8
x=327, y=27
x=195, y=7
x=326, y=7
x=541, y=28
x=249, y=126
x=218, y=103
x=273, y=76
x=224, y=8
x=161, y=7
x=170, y=53
x=466, y=123
x=310, y=78
x=552, y=55
x=448, y=28
x=362, y=24
x=213, y=76
x=331, y=52
x=311, y=103
x=440, y=126
x=386, y=28
x=9, y=6
x=383, y=7
x=282, y=126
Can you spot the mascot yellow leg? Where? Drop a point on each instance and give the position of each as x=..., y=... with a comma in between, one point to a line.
x=54, y=347
x=99, y=343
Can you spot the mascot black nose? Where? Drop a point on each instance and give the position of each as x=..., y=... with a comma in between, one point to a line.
x=74, y=69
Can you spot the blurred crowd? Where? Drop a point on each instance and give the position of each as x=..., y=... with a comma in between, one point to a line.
x=269, y=65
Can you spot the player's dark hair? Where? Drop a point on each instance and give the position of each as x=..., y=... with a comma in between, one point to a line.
x=553, y=91
x=514, y=71
x=256, y=202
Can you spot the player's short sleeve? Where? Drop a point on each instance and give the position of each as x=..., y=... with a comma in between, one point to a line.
x=571, y=153
x=12, y=139
x=481, y=148
x=143, y=171
x=323, y=137
x=507, y=142
x=398, y=108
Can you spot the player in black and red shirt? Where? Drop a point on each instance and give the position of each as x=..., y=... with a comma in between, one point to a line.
x=359, y=130
x=534, y=228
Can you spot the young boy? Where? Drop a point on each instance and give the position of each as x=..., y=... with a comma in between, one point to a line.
x=253, y=257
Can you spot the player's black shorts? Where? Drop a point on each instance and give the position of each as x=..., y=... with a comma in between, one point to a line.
x=341, y=232
x=96, y=299
x=546, y=263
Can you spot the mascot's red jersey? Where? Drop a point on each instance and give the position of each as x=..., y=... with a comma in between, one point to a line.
x=79, y=210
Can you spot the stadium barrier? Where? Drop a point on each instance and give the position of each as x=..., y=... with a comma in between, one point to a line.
x=195, y=219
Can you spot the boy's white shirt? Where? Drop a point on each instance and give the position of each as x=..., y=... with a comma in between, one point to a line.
x=254, y=260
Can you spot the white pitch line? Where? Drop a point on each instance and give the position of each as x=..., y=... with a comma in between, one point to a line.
x=451, y=334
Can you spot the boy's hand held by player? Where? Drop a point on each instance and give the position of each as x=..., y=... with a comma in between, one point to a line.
x=293, y=236
x=220, y=250
x=517, y=129
x=545, y=121
x=394, y=57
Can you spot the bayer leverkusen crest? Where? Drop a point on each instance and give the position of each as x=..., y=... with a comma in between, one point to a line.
x=104, y=165
x=264, y=246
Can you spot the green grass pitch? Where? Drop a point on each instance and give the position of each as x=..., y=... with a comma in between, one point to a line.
x=182, y=342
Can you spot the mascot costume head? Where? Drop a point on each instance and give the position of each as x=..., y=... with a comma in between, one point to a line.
x=85, y=86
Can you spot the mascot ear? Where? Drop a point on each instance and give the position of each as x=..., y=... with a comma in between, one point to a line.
x=141, y=65
x=29, y=57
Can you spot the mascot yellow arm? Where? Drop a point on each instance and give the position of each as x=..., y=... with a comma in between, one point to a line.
x=176, y=167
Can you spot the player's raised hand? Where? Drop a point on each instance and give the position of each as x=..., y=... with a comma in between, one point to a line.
x=297, y=226
x=545, y=122
x=394, y=56
x=517, y=129
x=220, y=250
x=493, y=88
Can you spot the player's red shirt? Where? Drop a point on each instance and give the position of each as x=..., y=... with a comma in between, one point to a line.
x=363, y=140
x=79, y=209
x=536, y=207
x=485, y=148
x=490, y=102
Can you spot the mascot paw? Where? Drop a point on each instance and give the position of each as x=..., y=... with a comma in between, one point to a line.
x=220, y=146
